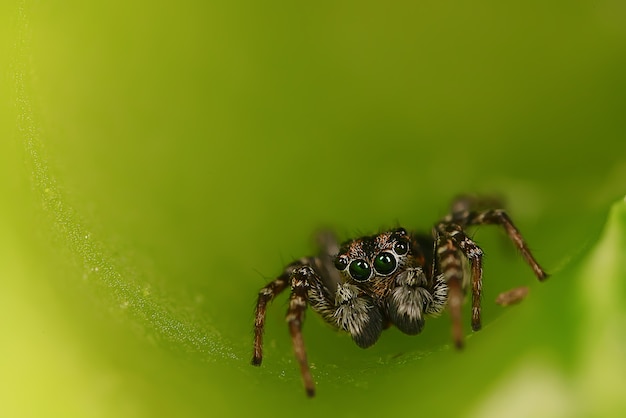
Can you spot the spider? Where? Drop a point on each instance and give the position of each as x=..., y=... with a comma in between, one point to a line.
x=395, y=278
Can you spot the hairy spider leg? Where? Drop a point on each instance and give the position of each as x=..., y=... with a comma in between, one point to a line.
x=470, y=211
x=266, y=295
x=450, y=264
x=300, y=279
x=475, y=255
x=500, y=217
x=473, y=252
x=297, y=276
x=307, y=287
x=452, y=226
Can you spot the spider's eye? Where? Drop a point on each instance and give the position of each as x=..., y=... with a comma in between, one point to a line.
x=341, y=263
x=385, y=263
x=360, y=270
x=401, y=247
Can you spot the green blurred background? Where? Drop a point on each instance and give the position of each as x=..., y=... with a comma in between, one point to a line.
x=161, y=161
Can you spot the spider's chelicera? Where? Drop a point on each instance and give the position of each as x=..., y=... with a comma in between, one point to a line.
x=393, y=278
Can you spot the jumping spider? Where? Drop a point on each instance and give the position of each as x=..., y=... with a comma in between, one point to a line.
x=392, y=278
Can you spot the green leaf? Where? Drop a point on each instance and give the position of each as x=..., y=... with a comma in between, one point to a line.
x=160, y=162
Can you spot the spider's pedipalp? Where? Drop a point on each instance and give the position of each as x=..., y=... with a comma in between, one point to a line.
x=358, y=315
x=439, y=295
x=409, y=301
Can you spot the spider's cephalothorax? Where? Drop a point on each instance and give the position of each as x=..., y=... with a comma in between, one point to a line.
x=393, y=278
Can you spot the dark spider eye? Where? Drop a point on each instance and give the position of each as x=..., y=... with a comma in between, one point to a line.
x=385, y=263
x=341, y=263
x=401, y=247
x=360, y=270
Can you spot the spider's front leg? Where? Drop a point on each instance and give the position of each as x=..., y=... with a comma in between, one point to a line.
x=301, y=280
x=450, y=242
x=266, y=295
x=468, y=211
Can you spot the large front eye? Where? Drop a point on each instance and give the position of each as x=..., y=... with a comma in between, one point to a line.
x=360, y=270
x=385, y=263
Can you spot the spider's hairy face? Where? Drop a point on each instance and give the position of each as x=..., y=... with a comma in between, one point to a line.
x=376, y=256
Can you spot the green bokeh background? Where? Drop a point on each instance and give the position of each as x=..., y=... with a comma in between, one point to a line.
x=160, y=161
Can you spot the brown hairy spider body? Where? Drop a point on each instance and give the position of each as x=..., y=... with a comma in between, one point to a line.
x=393, y=278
